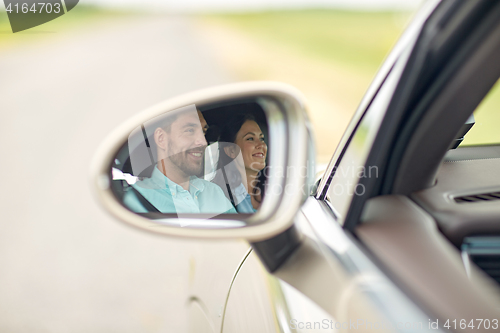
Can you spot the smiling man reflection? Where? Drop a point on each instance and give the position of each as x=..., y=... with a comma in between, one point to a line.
x=174, y=186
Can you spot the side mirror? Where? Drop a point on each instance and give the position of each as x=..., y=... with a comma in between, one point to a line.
x=235, y=161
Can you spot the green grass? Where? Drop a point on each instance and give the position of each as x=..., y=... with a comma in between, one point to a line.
x=487, y=117
x=358, y=40
x=79, y=16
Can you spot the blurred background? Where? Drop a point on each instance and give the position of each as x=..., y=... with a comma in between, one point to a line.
x=66, y=266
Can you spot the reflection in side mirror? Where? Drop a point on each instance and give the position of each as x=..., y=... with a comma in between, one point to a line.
x=235, y=161
x=195, y=160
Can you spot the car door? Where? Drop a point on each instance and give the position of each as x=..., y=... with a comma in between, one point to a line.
x=260, y=302
x=444, y=76
x=347, y=252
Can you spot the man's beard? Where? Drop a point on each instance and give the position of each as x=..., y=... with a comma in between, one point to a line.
x=190, y=168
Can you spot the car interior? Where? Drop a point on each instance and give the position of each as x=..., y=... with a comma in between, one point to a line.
x=436, y=228
x=464, y=201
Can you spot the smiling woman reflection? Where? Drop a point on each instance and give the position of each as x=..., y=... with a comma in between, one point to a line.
x=179, y=139
x=242, y=159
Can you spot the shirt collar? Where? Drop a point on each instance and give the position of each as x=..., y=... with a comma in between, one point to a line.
x=196, y=184
x=240, y=192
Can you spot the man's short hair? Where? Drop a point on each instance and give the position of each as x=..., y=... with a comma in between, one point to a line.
x=165, y=121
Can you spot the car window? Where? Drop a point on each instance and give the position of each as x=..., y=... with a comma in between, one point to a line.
x=346, y=175
x=487, y=117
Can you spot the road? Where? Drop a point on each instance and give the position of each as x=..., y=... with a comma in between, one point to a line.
x=66, y=265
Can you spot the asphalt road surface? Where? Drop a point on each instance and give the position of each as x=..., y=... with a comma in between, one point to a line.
x=65, y=264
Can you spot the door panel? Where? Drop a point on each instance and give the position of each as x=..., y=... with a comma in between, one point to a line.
x=259, y=302
x=212, y=266
x=249, y=308
x=333, y=270
x=407, y=242
x=199, y=321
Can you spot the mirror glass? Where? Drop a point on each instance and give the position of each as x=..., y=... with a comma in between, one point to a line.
x=196, y=161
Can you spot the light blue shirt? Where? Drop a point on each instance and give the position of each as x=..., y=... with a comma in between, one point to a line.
x=243, y=200
x=169, y=197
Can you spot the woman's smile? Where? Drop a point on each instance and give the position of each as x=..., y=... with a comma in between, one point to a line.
x=250, y=139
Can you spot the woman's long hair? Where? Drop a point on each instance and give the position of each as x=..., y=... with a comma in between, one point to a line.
x=227, y=173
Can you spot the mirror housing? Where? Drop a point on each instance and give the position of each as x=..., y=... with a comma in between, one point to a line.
x=292, y=162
